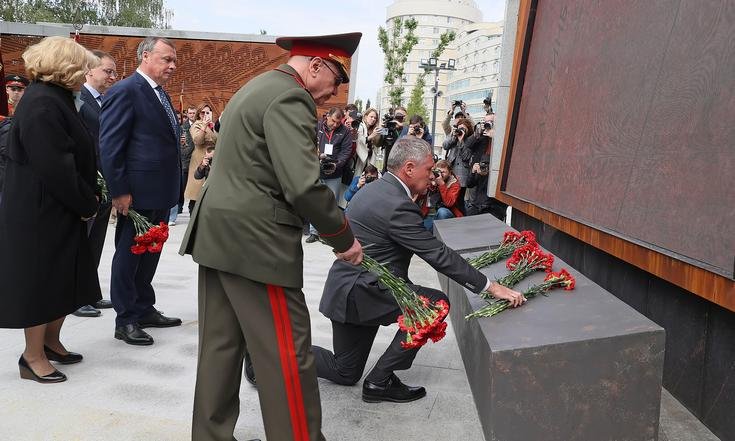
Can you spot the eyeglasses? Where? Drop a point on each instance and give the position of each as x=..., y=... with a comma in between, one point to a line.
x=110, y=72
x=337, y=77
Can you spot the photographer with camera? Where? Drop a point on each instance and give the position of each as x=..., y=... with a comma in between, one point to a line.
x=369, y=175
x=442, y=197
x=480, y=146
x=335, y=150
x=417, y=128
x=447, y=126
x=390, y=131
x=458, y=155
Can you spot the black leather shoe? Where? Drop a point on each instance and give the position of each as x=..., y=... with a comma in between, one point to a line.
x=249, y=371
x=133, y=335
x=69, y=358
x=393, y=390
x=312, y=238
x=103, y=304
x=27, y=373
x=87, y=311
x=158, y=320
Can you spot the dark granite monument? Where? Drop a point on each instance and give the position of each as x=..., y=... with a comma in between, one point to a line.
x=577, y=365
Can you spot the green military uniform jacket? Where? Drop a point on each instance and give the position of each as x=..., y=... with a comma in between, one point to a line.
x=265, y=180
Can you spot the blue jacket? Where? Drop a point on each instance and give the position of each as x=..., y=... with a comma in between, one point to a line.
x=352, y=188
x=139, y=149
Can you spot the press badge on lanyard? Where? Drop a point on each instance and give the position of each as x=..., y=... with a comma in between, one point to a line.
x=328, y=149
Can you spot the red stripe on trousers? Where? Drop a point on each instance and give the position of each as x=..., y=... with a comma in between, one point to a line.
x=289, y=365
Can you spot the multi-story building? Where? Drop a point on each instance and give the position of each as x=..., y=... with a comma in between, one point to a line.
x=474, y=49
x=477, y=71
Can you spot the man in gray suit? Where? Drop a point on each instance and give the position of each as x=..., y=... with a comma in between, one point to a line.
x=358, y=305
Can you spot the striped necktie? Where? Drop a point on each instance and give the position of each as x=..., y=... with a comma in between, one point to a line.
x=167, y=107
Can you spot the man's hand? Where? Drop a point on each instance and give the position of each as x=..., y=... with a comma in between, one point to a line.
x=122, y=203
x=361, y=181
x=501, y=292
x=476, y=167
x=463, y=106
x=352, y=255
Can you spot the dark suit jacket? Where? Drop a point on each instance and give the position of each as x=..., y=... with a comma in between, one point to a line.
x=139, y=149
x=391, y=235
x=90, y=114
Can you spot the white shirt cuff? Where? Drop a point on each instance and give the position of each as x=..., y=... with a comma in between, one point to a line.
x=487, y=285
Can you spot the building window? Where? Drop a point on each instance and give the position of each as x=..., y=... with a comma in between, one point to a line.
x=436, y=30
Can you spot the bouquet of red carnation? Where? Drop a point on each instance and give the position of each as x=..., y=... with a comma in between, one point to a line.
x=552, y=280
x=511, y=241
x=421, y=319
x=148, y=237
x=524, y=261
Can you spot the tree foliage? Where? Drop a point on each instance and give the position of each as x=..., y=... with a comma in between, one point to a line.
x=133, y=13
x=396, y=46
x=358, y=104
x=416, y=105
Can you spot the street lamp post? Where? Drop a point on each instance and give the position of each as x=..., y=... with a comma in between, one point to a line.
x=429, y=65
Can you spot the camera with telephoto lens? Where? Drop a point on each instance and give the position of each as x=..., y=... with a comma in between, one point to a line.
x=356, y=119
x=389, y=130
x=484, y=166
x=460, y=130
x=370, y=178
x=457, y=103
x=437, y=172
x=327, y=165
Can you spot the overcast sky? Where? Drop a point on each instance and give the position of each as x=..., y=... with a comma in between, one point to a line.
x=306, y=18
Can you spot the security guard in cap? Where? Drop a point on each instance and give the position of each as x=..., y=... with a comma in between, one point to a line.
x=15, y=86
x=245, y=234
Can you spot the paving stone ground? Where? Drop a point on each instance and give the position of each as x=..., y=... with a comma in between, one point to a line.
x=122, y=392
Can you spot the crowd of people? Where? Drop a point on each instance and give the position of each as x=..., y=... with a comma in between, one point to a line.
x=79, y=145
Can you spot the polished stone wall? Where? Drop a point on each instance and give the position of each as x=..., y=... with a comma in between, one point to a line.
x=699, y=367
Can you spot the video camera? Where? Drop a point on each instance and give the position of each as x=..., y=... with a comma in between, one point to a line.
x=327, y=165
x=389, y=130
x=356, y=119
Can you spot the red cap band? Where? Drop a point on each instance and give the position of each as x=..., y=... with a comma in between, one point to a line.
x=312, y=49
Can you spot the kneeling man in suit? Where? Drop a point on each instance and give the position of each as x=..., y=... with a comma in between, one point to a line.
x=354, y=301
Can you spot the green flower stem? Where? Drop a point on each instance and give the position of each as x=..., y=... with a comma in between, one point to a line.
x=493, y=308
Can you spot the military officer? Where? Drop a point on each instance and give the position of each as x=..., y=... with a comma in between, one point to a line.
x=245, y=234
x=15, y=85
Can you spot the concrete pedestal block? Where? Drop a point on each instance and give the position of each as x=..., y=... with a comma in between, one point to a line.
x=577, y=365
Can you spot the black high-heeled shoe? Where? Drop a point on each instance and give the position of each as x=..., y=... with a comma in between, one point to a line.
x=69, y=358
x=27, y=373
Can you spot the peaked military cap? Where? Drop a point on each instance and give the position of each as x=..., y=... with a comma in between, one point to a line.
x=16, y=80
x=337, y=48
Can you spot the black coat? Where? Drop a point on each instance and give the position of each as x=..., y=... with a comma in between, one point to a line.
x=46, y=264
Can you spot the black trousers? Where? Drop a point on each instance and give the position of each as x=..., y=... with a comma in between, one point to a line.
x=131, y=288
x=352, y=343
x=98, y=231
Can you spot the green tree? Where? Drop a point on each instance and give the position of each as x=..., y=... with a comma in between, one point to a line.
x=133, y=13
x=367, y=104
x=358, y=103
x=416, y=104
x=396, y=46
